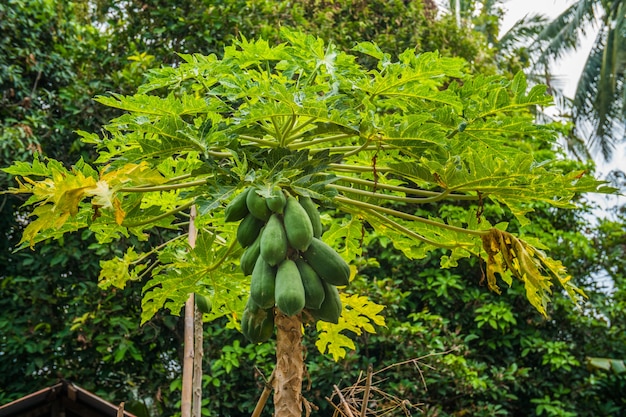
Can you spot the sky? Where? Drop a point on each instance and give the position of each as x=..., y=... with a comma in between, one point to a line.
x=568, y=70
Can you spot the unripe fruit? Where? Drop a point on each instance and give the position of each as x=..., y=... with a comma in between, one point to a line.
x=237, y=208
x=248, y=230
x=276, y=202
x=262, y=284
x=327, y=263
x=274, y=241
x=314, y=215
x=257, y=205
x=297, y=225
x=290, y=297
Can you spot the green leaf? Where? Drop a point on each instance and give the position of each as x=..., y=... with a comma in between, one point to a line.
x=202, y=269
x=118, y=271
x=359, y=314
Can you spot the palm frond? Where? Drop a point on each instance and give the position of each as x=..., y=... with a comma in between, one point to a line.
x=524, y=30
x=599, y=110
x=564, y=33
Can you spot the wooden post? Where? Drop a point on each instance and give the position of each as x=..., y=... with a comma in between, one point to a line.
x=189, y=356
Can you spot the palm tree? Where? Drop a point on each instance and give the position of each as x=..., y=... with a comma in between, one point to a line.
x=599, y=104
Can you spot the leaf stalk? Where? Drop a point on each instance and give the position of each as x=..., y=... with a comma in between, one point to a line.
x=407, y=216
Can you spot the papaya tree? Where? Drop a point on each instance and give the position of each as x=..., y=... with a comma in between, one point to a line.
x=246, y=150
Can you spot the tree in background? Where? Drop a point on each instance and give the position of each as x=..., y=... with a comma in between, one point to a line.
x=598, y=105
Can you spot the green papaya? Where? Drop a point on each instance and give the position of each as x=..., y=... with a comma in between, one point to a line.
x=314, y=215
x=203, y=303
x=290, y=296
x=297, y=225
x=248, y=230
x=237, y=209
x=274, y=241
x=330, y=309
x=313, y=286
x=276, y=202
x=250, y=255
x=257, y=324
x=327, y=263
x=262, y=284
x=257, y=205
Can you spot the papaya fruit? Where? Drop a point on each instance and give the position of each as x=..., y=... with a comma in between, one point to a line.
x=274, y=241
x=327, y=263
x=257, y=324
x=290, y=296
x=297, y=225
x=203, y=303
x=276, y=202
x=250, y=255
x=248, y=230
x=237, y=209
x=313, y=286
x=262, y=284
x=330, y=309
x=257, y=205
x=313, y=213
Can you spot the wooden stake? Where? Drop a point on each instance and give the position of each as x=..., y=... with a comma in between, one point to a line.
x=189, y=356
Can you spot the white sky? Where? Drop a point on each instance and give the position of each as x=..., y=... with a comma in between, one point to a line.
x=569, y=68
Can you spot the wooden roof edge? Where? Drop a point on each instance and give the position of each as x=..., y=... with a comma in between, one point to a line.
x=72, y=391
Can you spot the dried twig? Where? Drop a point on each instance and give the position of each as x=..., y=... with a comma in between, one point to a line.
x=343, y=401
x=365, y=392
x=366, y=395
x=267, y=389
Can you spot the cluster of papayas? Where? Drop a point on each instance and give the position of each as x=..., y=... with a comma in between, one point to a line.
x=291, y=268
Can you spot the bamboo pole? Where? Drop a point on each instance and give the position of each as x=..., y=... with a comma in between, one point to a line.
x=186, y=396
x=189, y=354
x=196, y=409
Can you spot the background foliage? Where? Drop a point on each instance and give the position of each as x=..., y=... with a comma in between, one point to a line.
x=489, y=354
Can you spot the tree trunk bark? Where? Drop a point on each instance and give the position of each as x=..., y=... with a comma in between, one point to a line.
x=289, y=369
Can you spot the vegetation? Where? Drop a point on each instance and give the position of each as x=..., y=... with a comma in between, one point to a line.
x=482, y=354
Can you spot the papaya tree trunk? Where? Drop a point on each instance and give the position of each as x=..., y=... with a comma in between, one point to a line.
x=289, y=369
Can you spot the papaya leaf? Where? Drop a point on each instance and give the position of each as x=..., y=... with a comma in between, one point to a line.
x=183, y=272
x=358, y=315
x=347, y=237
x=509, y=255
x=118, y=271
